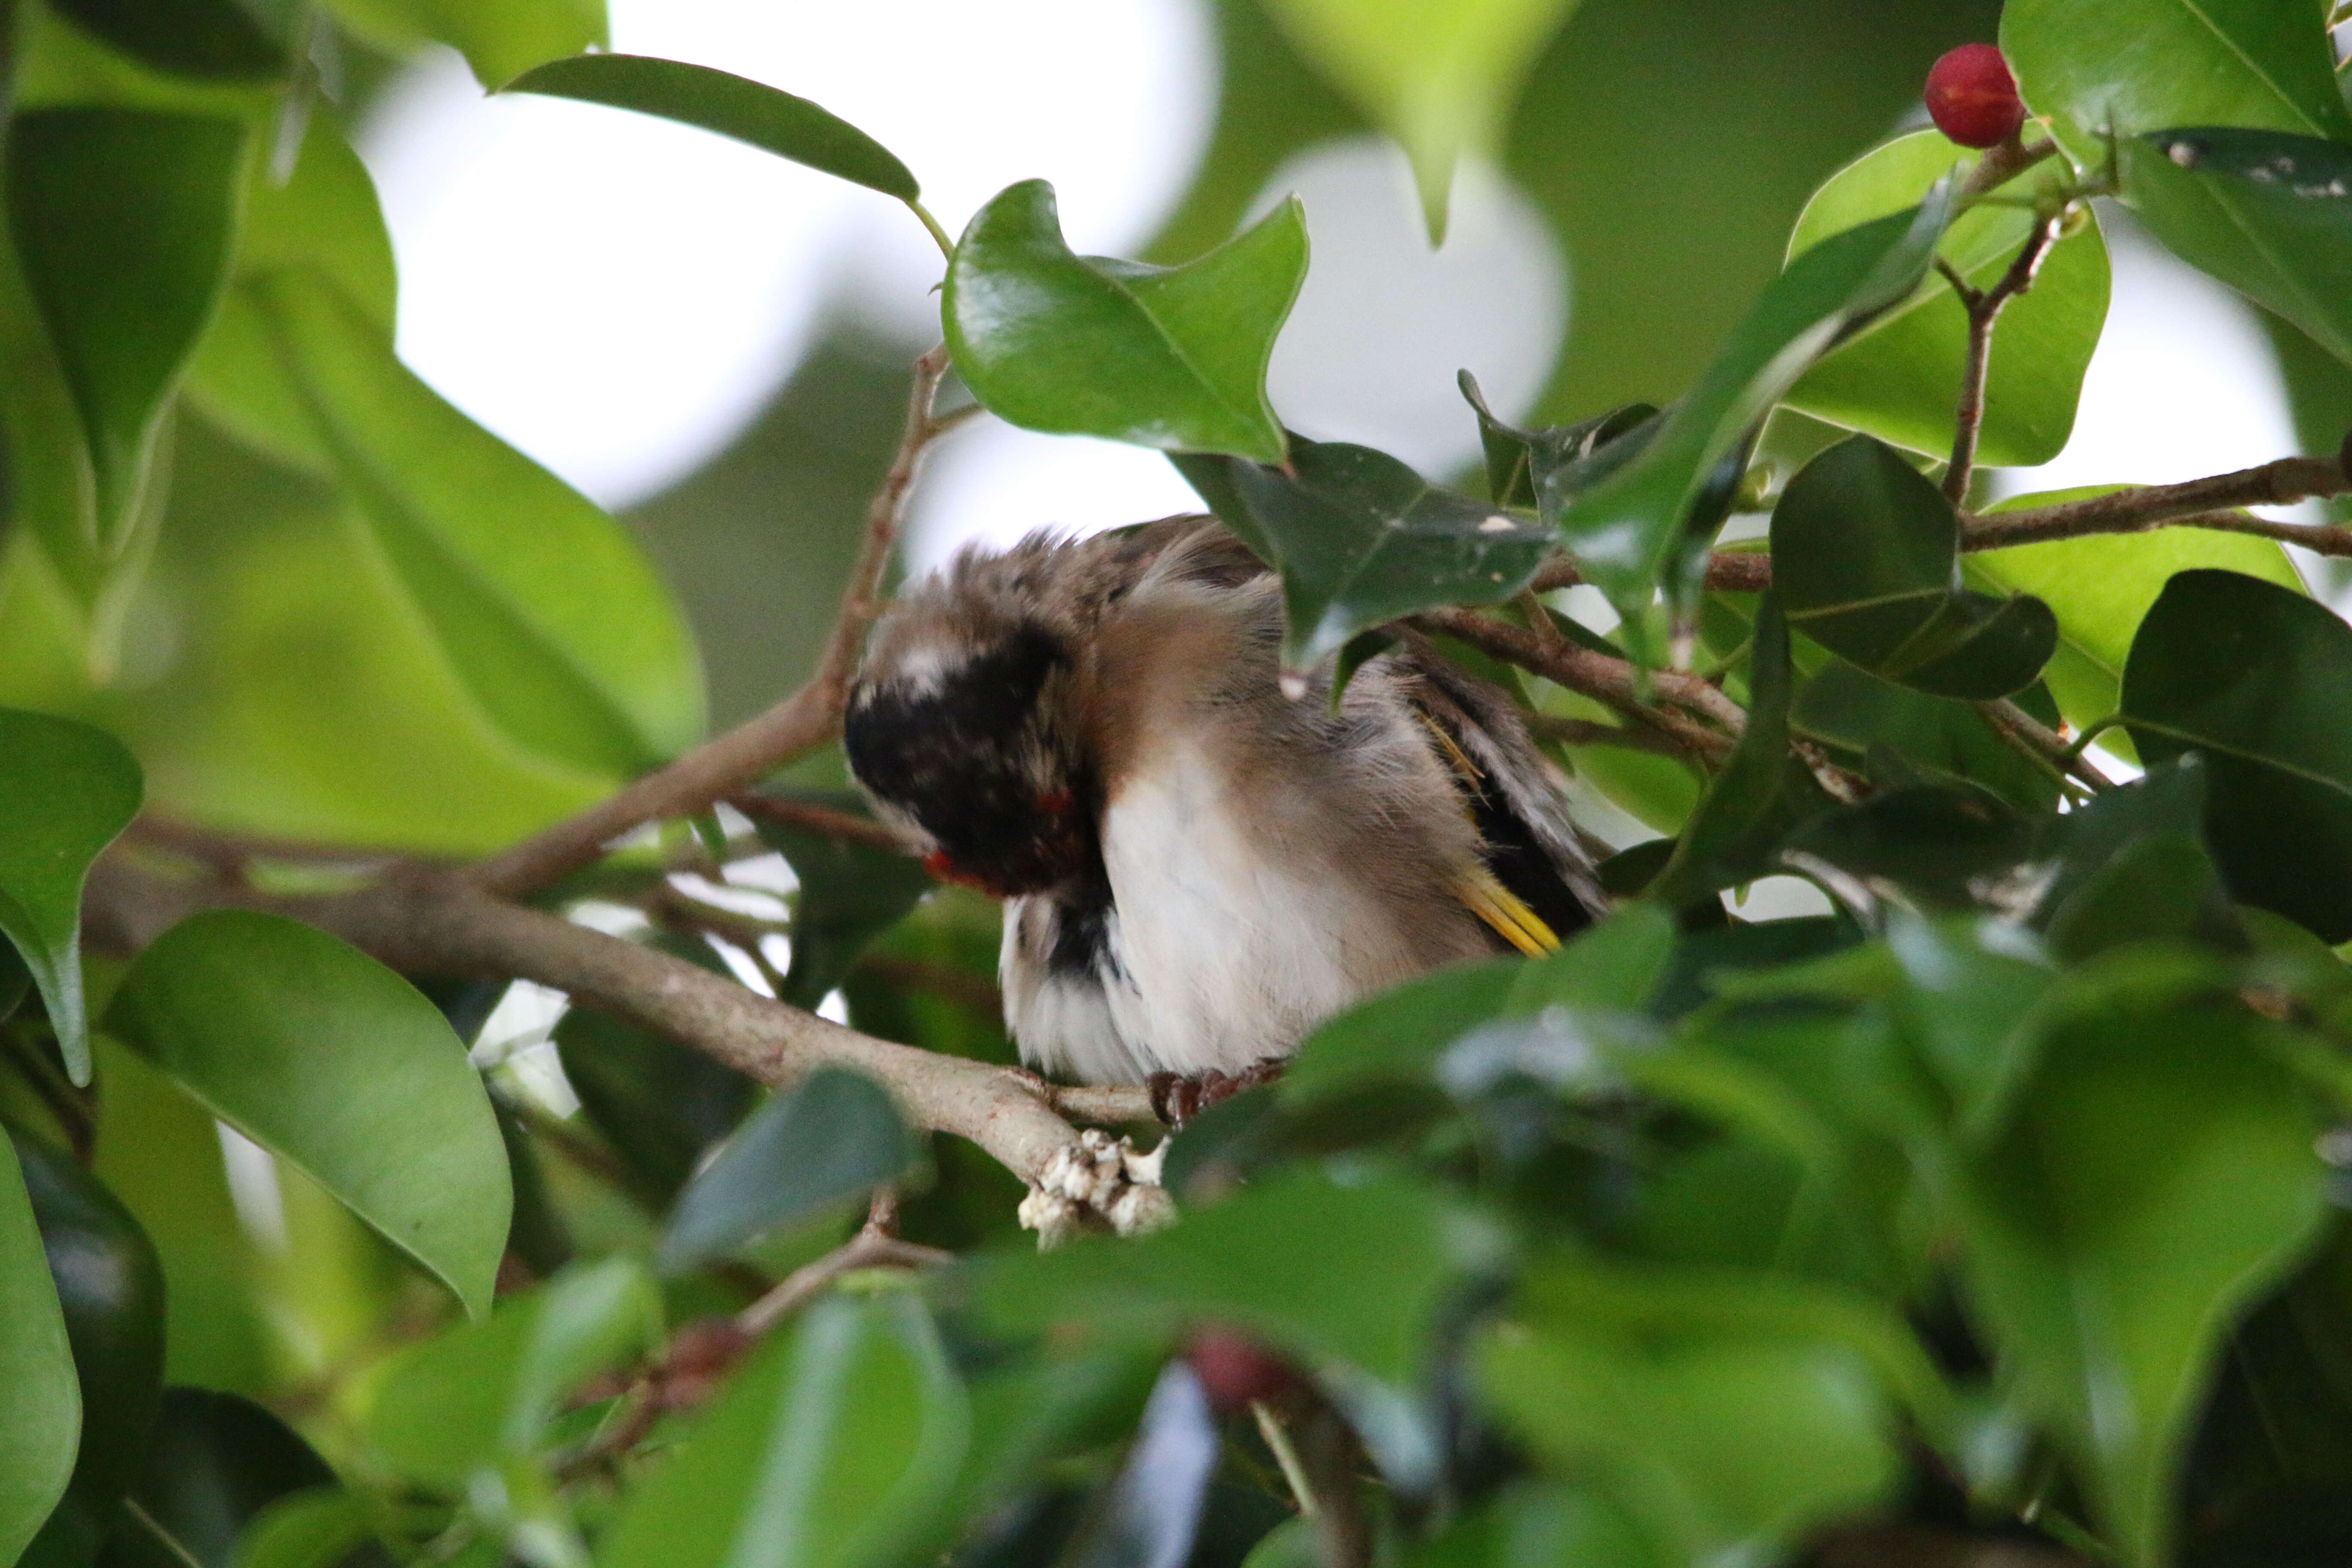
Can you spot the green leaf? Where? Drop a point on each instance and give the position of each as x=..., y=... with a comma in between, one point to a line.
x=833, y=1134
x=2125, y=66
x=2130, y=866
x=1513, y=456
x=1763, y=791
x=1865, y=555
x=1725, y=1414
x=500, y=38
x=2256, y=677
x=215, y=1462
x=2157, y=1176
x=71, y=789
x=317, y=1528
x=484, y=1392
x=322, y=1055
x=2269, y=215
x=1440, y=78
x=850, y=893
x=832, y=1436
x=1360, y=539
x=1846, y=707
x=2100, y=588
x=1938, y=842
x=1978, y=998
x=547, y=610
x=1628, y=533
x=1168, y=357
x=216, y=39
x=770, y=119
x=109, y=1288
x=37, y=1366
x=1896, y=377
x=121, y=223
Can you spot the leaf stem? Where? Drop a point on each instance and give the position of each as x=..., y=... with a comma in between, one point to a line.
x=2031, y=737
x=939, y=236
x=1285, y=1454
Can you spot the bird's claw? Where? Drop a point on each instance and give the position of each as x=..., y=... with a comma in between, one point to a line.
x=1177, y=1097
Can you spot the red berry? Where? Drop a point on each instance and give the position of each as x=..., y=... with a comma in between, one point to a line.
x=1234, y=1369
x=1972, y=98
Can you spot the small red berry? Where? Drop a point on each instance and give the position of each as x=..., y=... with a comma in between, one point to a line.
x=1972, y=98
x=1235, y=1370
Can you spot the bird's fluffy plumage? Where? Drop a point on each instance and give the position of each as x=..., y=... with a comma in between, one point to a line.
x=1197, y=868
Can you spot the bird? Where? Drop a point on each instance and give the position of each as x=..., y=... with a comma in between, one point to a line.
x=1196, y=867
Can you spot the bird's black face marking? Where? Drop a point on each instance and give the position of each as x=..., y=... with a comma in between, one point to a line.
x=975, y=758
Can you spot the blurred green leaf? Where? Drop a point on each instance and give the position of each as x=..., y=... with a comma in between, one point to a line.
x=318, y=1053
x=770, y=119
x=316, y=1528
x=1725, y=1414
x=1896, y=377
x=1865, y=555
x=2157, y=1176
x=215, y=1462
x=1168, y=357
x=1439, y=76
x=1979, y=998
x=849, y=894
x=36, y=1365
x=1628, y=533
x=1763, y=790
x=2270, y=214
x=500, y=38
x=122, y=222
x=826, y=1444
x=2120, y=68
x=2256, y=677
x=833, y=1134
x=2100, y=589
x=2130, y=864
x=1938, y=842
x=208, y=38
x=546, y=607
x=109, y=1288
x=1536, y=1525
x=484, y=1392
x=71, y=789
x=1360, y=539
x=1846, y=707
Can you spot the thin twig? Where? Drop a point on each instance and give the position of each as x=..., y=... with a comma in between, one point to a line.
x=869, y=1248
x=2001, y=164
x=1984, y=308
x=801, y=722
x=820, y=818
x=2200, y=504
x=1612, y=681
x=2030, y=735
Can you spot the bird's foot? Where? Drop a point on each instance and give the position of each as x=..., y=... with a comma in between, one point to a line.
x=1177, y=1097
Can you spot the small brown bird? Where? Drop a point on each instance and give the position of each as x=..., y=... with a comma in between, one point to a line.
x=1196, y=868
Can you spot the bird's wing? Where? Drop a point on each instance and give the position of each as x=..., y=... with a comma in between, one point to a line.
x=1535, y=886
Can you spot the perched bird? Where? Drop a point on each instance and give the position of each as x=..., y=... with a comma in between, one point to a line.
x=1197, y=868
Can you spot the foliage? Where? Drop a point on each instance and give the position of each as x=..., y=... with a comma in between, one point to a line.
x=1993, y=1204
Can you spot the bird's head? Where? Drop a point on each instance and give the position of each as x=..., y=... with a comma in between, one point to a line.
x=962, y=728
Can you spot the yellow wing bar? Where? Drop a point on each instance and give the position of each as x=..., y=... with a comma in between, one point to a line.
x=1506, y=912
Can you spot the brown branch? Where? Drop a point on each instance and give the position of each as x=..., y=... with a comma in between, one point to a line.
x=1728, y=572
x=425, y=923
x=1984, y=308
x=1612, y=681
x=2281, y=482
x=2030, y=735
x=819, y=818
x=800, y=723
x=2001, y=164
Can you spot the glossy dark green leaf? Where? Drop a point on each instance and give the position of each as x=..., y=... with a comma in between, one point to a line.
x=1628, y=533
x=772, y=121
x=2130, y=866
x=71, y=789
x=2256, y=677
x=831, y=1135
x=214, y=1462
x=850, y=893
x=823, y=1446
x=500, y=38
x=36, y=1365
x=1168, y=357
x=317, y=1052
x=1848, y=709
x=1763, y=792
x=1940, y=843
x=2268, y=214
x=1725, y=1415
x=110, y=1287
x=1360, y=539
x=207, y=38
x=547, y=610
x=1439, y=78
x=2125, y=66
x=121, y=221
x=2158, y=1175
x=1514, y=456
x=482, y=1391
x=1865, y=555
x=1896, y=377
